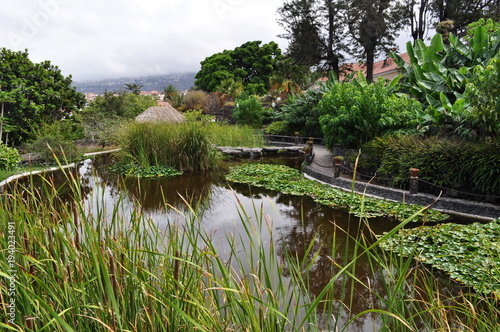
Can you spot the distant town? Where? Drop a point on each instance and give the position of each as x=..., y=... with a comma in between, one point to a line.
x=159, y=96
x=149, y=84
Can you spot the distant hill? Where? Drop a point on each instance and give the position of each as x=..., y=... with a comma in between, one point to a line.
x=182, y=82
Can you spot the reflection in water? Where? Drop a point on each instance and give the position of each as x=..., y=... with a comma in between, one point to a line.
x=297, y=222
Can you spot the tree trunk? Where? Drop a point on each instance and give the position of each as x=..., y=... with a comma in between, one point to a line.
x=370, y=57
x=333, y=59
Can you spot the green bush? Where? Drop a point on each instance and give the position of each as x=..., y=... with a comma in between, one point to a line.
x=198, y=116
x=277, y=128
x=126, y=105
x=301, y=114
x=353, y=113
x=248, y=111
x=483, y=92
x=9, y=157
x=447, y=162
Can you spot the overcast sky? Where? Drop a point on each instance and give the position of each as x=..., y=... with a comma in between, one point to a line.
x=96, y=39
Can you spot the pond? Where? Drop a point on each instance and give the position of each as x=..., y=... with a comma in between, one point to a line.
x=296, y=221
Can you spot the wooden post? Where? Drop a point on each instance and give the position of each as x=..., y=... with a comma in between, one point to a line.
x=414, y=181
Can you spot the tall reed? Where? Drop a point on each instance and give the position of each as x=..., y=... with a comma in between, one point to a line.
x=78, y=271
x=189, y=146
x=83, y=271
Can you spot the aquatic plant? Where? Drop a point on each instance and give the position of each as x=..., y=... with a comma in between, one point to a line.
x=134, y=169
x=468, y=253
x=290, y=181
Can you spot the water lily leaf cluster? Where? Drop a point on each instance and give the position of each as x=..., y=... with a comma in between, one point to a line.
x=290, y=181
x=134, y=169
x=468, y=253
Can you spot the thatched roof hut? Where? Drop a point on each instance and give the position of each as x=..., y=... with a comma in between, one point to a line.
x=161, y=114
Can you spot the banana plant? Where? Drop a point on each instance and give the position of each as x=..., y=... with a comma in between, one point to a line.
x=438, y=74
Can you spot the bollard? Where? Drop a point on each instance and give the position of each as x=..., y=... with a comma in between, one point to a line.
x=414, y=181
x=337, y=165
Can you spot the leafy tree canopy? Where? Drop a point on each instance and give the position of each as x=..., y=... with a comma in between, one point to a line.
x=33, y=93
x=251, y=63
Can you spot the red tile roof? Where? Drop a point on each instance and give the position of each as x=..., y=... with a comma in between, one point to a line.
x=379, y=68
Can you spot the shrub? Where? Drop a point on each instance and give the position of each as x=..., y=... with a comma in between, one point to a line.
x=177, y=100
x=354, y=113
x=248, y=111
x=212, y=103
x=9, y=157
x=194, y=100
x=55, y=141
x=277, y=128
x=301, y=114
x=445, y=162
x=198, y=116
x=483, y=92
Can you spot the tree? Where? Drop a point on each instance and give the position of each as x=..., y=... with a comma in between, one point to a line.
x=126, y=105
x=39, y=93
x=229, y=89
x=462, y=13
x=170, y=92
x=419, y=13
x=374, y=25
x=134, y=88
x=288, y=78
x=316, y=31
x=250, y=63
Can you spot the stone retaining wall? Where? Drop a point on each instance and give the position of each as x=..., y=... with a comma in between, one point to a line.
x=451, y=205
x=257, y=152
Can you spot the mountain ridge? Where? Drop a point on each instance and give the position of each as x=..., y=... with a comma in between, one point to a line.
x=182, y=81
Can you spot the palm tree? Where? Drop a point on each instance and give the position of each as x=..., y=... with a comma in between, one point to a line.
x=134, y=88
x=170, y=92
x=229, y=89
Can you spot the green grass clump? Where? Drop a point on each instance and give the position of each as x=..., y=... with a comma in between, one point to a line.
x=77, y=271
x=226, y=135
x=290, y=181
x=442, y=161
x=185, y=147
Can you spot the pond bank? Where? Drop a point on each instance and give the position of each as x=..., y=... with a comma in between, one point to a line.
x=322, y=169
x=51, y=169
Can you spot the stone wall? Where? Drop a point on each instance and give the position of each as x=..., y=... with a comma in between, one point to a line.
x=452, y=205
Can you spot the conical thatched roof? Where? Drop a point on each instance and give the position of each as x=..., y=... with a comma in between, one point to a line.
x=161, y=114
